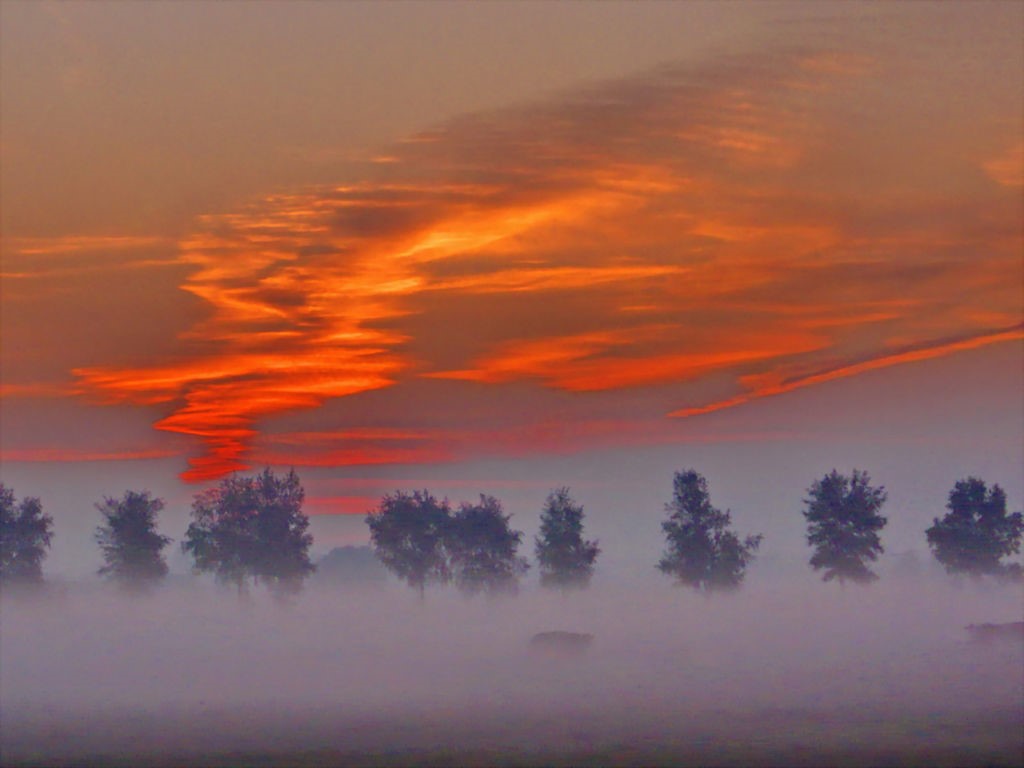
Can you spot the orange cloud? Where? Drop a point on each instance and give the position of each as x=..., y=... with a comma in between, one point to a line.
x=742, y=221
x=223, y=399
x=581, y=363
x=768, y=385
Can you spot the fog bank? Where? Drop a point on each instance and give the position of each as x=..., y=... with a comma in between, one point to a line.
x=774, y=670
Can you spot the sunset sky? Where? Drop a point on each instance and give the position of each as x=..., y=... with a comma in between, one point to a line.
x=511, y=246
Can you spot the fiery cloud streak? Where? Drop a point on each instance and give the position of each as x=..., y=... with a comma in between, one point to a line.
x=745, y=220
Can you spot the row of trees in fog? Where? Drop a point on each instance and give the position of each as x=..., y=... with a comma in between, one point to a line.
x=422, y=540
x=251, y=530
x=246, y=530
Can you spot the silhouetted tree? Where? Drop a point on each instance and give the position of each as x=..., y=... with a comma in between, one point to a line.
x=350, y=566
x=25, y=535
x=976, y=533
x=702, y=553
x=408, y=536
x=252, y=528
x=132, y=549
x=564, y=558
x=843, y=524
x=483, y=549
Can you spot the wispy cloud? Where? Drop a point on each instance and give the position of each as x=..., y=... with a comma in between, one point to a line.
x=77, y=244
x=47, y=455
x=744, y=221
x=776, y=383
x=69, y=256
x=34, y=389
x=445, y=443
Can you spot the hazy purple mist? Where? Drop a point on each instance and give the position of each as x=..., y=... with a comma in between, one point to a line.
x=785, y=669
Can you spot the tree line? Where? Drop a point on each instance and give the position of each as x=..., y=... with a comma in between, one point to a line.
x=247, y=530
x=422, y=540
x=251, y=530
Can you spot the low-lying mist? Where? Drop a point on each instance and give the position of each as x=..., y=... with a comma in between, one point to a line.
x=771, y=673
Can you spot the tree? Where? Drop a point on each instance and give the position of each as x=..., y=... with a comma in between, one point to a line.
x=977, y=532
x=843, y=524
x=565, y=559
x=25, y=535
x=702, y=553
x=351, y=566
x=132, y=549
x=252, y=528
x=483, y=549
x=408, y=536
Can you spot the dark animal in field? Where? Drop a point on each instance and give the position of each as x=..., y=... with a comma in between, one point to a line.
x=991, y=633
x=560, y=644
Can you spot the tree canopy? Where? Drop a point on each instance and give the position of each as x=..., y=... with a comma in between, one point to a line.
x=349, y=565
x=564, y=558
x=25, y=535
x=701, y=550
x=252, y=528
x=132, y=549
x=483, y=547
x=843, y=524
x=408, y=533
x=976, y=533
x=421, y=541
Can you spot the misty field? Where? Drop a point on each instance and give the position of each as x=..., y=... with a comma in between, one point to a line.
x=801, y=674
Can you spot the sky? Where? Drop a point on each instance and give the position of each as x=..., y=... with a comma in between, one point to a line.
x=506, y=247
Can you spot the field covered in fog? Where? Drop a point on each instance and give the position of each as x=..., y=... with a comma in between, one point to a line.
x=803, y=674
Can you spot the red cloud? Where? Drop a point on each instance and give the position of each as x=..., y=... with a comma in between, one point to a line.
x=743, y=221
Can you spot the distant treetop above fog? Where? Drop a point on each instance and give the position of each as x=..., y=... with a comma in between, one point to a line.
x=25, y=536
x=701, y=550
x=843, y=524
x=977, y=532
x=566, y=560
